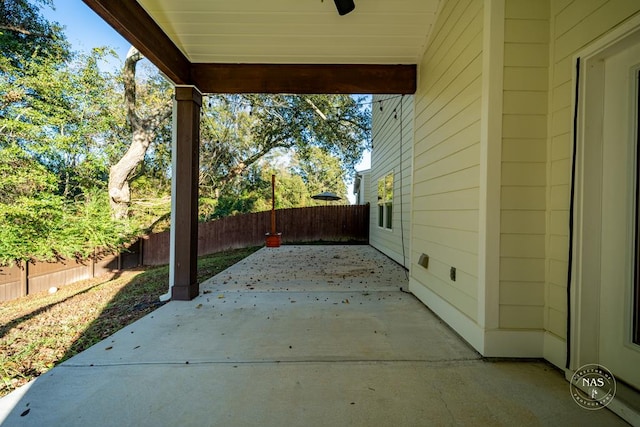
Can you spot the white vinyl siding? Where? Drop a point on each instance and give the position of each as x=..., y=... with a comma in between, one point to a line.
x=447, y=157
x=362, y=191
x=524, y=139
x=526, y=299
x=392, y=130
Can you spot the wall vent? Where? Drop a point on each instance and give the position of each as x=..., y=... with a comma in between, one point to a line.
x=424, y=260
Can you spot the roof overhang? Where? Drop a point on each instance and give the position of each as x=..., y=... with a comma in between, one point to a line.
x=183, y=40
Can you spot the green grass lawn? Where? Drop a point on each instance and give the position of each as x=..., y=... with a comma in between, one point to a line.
x=41, y=330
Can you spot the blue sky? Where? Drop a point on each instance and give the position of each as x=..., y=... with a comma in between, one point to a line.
x=86, y=30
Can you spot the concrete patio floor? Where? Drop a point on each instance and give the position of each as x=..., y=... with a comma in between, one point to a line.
x=296, y=336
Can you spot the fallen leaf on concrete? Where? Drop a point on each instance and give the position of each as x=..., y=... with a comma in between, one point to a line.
x=109, y=348
x=220, y=296
x=199, y=306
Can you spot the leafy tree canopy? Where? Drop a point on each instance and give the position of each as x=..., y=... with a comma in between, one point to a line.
x=325, y=135
x=251, y=192
x=54, y=110
x=60, y=115
x=26, y=34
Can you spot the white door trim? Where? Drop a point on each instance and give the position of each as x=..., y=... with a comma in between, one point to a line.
x=585, y=283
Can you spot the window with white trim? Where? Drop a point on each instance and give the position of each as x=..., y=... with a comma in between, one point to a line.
x=385, y=202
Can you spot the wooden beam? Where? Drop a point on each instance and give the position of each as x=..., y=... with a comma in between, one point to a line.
x=304, y=78
x=129, y=19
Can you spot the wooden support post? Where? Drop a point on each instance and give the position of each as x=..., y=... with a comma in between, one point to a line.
x=185, y=198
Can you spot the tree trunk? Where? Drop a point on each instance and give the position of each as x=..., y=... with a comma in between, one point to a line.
x=121, y=172
x=143, y=130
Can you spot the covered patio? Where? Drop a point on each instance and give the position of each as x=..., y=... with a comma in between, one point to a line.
x=248, y=46
x=326, y=335
x=296, y=335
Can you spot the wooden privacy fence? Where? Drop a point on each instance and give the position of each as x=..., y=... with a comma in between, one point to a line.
x=320, y=223
x=297, y=225
x=37, y=276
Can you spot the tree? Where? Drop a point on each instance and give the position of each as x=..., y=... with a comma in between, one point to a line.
x=25, y=33
x=320, y=172
x=54, y=112
x=32, y=48
x=296, y=181
x=30, y=211
x=145, y=120
x=53, y=103
x=236, y=132
x=59, y=114
x=22, y=176
x=52, y=167
x=240, y=130
x=253, y=192
x=37, y=223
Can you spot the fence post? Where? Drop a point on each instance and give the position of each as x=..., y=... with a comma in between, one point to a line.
x=93, y=264
x=141, y=249
x=24, y=280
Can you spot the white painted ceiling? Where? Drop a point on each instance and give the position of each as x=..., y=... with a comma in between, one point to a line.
x=296, y=31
